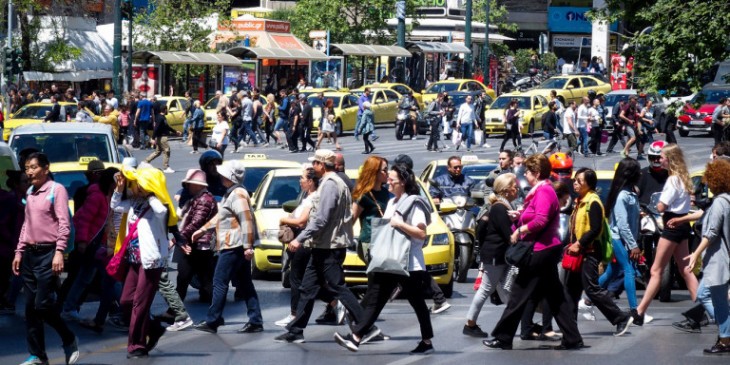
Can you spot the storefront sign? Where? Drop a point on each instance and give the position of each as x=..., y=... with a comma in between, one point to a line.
x=570, y=19
x=257, y=25
x=440, y=8
x=571, y=41
x=287, y=42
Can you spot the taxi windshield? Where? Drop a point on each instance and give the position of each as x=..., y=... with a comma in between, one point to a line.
x=281, y=190
x=502, y=102
x=441, y=87
x=71, y=180
x=65, y=147
x=315, y=102
x=33, y=112
x=254, y=176
x=557, y=83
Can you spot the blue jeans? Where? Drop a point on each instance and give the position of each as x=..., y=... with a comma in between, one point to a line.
x=584, y=139
x=247, y=129
x=719, y=300
x=466, y=133
x=705, y=298
x=623, y=261
x=230, y=262
x=357, y=125
x=186, y=126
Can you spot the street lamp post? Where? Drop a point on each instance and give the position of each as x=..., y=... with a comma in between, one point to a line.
x=485, y=60
x=467, y=41
x=117, y=60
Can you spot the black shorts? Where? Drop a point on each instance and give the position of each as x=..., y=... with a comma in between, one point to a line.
x=678, y=233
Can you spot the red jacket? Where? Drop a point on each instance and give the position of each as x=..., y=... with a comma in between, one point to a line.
x=196, y=212
x=90, y=217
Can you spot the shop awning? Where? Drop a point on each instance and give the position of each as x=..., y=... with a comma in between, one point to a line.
x=437, y=47
x=368, y=50
x=73, y=76
x=185, y=58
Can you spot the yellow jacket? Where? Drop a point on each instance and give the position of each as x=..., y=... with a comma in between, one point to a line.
x=112, y=119
x=580, y=220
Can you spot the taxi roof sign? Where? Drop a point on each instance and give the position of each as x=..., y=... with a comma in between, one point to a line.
x=254, y=156
x=84, y=160
x=469, y=158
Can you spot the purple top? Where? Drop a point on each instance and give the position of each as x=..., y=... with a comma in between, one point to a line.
x=541, y=212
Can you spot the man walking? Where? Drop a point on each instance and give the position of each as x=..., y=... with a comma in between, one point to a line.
x=143, y=118
x=39, y=259
x=159, y=140
x=465, y=123
x=617, y=135
x=247, y=116
x=582, y=117
x=305, y=124
x=330, y=230
x=569, y=129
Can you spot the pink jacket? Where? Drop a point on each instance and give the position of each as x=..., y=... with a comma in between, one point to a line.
x=90, y=217
x=542, y=216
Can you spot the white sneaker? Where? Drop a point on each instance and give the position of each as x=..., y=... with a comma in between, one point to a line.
x=70, y=316
x=180, y=325
x=168, y=171
x=438, y=308
x=647, y=318
x=486, y=145
x=284, y=321
x=588, y=309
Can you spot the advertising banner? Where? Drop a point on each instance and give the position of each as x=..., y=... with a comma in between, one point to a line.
x=145, y=78
x=571, y=19
x=241, y=77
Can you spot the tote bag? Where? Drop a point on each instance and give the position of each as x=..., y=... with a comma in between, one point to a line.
x=389, y=249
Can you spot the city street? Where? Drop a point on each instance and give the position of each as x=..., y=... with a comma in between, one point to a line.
x=655, y=343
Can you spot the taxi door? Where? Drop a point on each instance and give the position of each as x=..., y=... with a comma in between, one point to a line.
x=175, y=115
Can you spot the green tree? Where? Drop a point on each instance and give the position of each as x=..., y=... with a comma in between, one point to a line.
x=497, y=17
x=522, y=59
x=179, y=25
x=687, y=39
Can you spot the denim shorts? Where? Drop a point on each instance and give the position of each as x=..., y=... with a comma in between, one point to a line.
x=281, y=125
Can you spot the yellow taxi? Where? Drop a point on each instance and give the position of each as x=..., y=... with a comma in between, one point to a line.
x=258, y=165
x=68, y=142
x=176, y=106
x=34, y=113
x=572, y=87
x=345, y=106
x=383, y=103
x=532, y=105
x=438, y=252
x=209, y=109
x=314, y=90
x=454, y=85
x=402, y=89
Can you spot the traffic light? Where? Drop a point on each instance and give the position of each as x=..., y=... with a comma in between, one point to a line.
x=8, y=64
x=17, y=61
x=127, y=10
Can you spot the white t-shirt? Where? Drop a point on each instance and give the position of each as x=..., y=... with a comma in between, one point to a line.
x=218, y=133
x=568, y=115
x=675, y=196
x=416, y=261
x=113, y=102
x=306, y=203
x=582, y=120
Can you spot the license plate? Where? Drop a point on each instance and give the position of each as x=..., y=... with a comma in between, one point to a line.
x=697, y=122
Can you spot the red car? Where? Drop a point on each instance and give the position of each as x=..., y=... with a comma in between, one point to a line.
x=700, y=120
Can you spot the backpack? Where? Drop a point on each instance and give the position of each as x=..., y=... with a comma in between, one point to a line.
x=72, y=229
x=606, y=242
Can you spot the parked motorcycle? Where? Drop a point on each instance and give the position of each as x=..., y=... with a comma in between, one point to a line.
x=455, y=210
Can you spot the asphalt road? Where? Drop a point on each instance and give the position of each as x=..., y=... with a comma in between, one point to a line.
x=655, y=343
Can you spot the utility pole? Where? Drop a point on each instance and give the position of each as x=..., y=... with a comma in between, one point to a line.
x=485, y=58
x=467, y=41
x=117, y=60
x=400, y=11
x=8, y=45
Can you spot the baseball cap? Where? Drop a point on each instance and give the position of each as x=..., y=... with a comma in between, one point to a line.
x=324, y=156
x=405, y=160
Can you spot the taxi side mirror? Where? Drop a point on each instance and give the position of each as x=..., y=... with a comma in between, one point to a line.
x=290, y=205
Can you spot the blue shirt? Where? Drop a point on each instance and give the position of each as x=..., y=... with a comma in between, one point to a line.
x=145, y=110
x=363, y=98
x=625, y=218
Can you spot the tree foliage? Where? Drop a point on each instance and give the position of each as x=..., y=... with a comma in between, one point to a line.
x=687, y=39
x=179, y=25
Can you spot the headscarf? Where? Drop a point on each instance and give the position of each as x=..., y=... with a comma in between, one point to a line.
x=153, y=180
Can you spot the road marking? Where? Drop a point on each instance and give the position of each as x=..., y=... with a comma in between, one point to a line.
x=408, y=360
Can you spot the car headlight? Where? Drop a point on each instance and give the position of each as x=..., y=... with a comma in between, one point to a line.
x=440, y=239
x=460, y=201
x=270, y=234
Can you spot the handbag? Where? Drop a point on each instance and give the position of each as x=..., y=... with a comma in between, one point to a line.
x=363, y=248
x=572, y=262
x=519, y=254
x=286, y=233
x=389, y=249
x=118, y=265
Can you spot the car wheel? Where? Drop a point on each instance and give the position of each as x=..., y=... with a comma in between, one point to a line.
x=338, y=128
x=683, y=133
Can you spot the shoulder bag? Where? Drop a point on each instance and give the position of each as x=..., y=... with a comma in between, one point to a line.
x=520, y=253
x=389, y=249
x=363, y=248
x=118, y=265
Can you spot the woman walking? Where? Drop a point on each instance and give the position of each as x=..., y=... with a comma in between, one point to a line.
x=714, y=246
x=327, y=124
x=622, y=208
x=367, y=127
x=198, y=123
x=235, y=231
x=674, y=202
x=587, y=222
x=409, y=213
x=219, y=136
x=149, y=213
x=269, y=117
x=195, y=257
x=511, y=121
x=493, y=247
x=538, y=222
